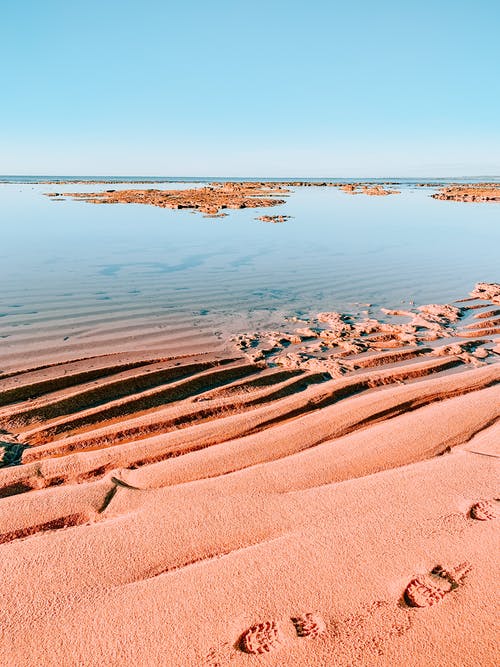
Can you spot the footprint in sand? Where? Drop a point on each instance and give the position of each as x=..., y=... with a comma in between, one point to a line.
x=270, y=635
x=261, y=638
x=422, y=592
x=366, y=632
x=484, y=510
x=426, y=590
x=309, y=625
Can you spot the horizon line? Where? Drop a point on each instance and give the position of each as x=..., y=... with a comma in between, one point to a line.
x=205, y=176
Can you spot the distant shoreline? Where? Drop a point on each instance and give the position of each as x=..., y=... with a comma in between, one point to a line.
x=396, y=180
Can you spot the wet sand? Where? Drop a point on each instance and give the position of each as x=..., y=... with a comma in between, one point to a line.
x=320, y=494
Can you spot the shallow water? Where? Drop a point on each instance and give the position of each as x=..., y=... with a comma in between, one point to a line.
x=85, y=263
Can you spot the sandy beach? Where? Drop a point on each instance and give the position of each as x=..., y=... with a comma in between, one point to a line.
x=325, y=494
x=249, y=334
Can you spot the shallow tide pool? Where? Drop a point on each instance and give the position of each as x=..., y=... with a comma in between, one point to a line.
x=72, y=259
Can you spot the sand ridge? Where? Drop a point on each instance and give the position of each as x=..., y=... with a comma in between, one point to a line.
x=229, y=508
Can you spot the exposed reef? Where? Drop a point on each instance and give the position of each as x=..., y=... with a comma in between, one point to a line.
x=274, y=218
x=210, y=199
x=470, y=192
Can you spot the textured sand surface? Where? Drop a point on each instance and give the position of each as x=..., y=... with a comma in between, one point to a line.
x=322, y=495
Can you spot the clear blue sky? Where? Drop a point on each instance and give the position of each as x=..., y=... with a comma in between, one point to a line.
x=264, y=88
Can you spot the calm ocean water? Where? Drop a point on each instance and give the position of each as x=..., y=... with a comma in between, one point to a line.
x=80, y=262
